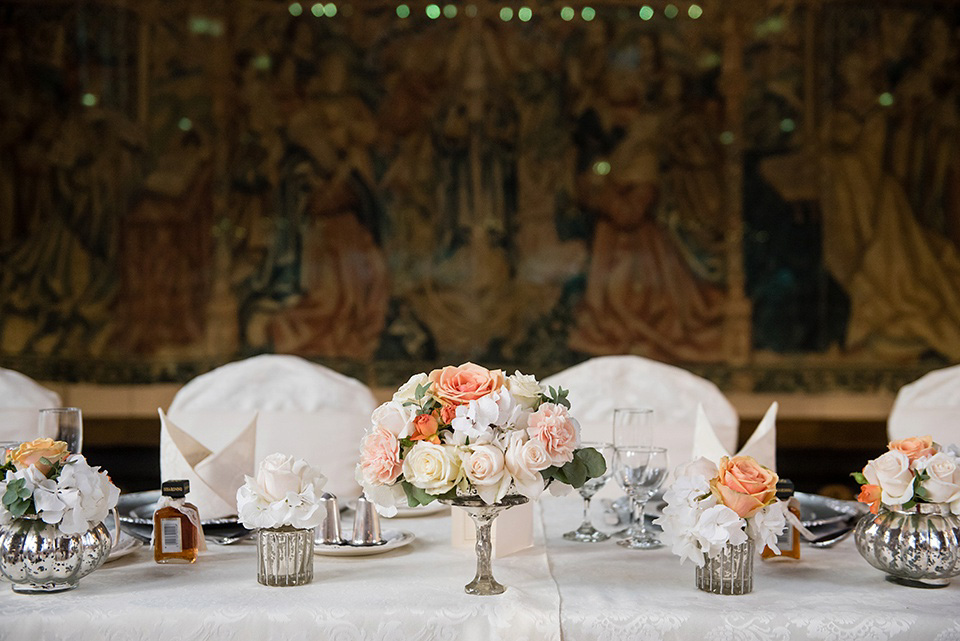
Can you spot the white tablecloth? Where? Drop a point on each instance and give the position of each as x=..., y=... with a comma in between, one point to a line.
x=558, y=590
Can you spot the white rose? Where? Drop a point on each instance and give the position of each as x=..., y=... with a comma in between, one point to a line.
x=483, y=465
x=943, y=486
x=395, y=417
x=286, y=491
x=525, y=388
x=435, y=469
x=525, y=458
x=408, y=391
x=891, y=471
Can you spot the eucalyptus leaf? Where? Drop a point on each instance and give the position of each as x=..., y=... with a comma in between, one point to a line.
x=575, y=473
x=593, y=461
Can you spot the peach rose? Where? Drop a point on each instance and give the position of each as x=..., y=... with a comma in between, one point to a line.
x=425, y=429
x=743, y=485
x=42, y=448
x=468, y=382
x=556, y=430
x=915, y=447
x=380, y=457
x=870, y=494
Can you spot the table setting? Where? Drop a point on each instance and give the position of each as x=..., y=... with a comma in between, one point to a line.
x=468, y=470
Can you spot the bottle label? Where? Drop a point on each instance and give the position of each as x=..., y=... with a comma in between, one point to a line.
x=171, y=537
x=785, y=540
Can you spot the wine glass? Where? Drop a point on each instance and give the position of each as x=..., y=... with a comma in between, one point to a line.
x=586, y=533
x=63, y=424
x=640, y=471
x=632, y=427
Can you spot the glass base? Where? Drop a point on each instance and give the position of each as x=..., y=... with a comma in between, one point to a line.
x=484, y=586
x=638, y=543
x=930, y=584
x=586, y=534
x=42, y=588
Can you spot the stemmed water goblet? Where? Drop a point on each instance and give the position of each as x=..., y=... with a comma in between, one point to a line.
x=586, y=533
x=640, y=471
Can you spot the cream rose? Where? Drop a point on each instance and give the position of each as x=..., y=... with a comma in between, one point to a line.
x=943, y=484
x=525, y=389
x=468, y=382
x=435, y=469
x=395, y=417
x=280, y=475
x=42, y=448
x=525, y=459
x=408, y=391
x=556, y=430
x=891, y=471
x=483, y=465
x=285, y=491
x=743, y=485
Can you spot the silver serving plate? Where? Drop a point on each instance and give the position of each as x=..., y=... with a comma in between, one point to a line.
x=817, y=511
x=136, y=514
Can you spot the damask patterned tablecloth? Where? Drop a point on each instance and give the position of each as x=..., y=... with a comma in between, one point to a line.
x=566, y=590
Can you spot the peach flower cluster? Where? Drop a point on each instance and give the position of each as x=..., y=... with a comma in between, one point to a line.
x=912, y=470
x=469, y=430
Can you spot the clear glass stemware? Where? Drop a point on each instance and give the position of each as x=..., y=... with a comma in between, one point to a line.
x=63, y=424
x=586, y=533
x=640, y=471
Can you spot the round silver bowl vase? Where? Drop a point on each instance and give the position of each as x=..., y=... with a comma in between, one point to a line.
x=919, y=547
x=37, y=557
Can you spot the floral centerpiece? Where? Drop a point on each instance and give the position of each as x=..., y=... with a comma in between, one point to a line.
x=43, y=481
x=469, y=430
x=717, y=514
x=283, y=502
x=54, y=503
x=913, y=490
x=912, y=470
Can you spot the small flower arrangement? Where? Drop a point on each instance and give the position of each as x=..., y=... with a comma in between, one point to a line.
x=912, y=470
x=469, y=430
x=285, y=491
x=710, y=506
x=43, y=481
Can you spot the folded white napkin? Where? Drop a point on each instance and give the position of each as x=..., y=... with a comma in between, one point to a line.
x=762, y=444
x=929, y=405
x=215, y=469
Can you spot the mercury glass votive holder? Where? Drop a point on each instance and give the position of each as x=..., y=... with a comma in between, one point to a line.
x=285, y=556
x=730, y=572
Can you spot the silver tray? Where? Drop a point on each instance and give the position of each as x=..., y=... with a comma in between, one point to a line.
x=816, y=510
x=136, y=514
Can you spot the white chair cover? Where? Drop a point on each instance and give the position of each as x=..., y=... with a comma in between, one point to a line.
x=299, y=408
x=20, y=400
x=600, y=385
x=929, y=405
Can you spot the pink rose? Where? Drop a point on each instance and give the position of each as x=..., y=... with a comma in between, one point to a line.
x=915, y=447
x=460, y=385
x=380, y=457
x=743, y=485
x=448, y=413
x=556, y=430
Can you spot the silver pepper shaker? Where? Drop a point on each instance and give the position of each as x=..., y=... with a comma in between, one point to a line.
x=366, y=525
x=329, y=532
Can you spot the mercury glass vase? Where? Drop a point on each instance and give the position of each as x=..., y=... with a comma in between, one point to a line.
x=285, y=556
x=730, y=571
x=483, y=516
x=38, y=557
x=919, y=547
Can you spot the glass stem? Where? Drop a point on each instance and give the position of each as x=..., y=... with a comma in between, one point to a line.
x=638, y=518
x=484, y=548
x=586, y=525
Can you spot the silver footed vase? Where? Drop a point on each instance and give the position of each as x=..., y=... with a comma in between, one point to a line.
x=919, y=547
x=37, y=557
x=483, y=515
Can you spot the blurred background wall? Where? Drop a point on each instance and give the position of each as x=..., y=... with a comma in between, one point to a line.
x=766, y=193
